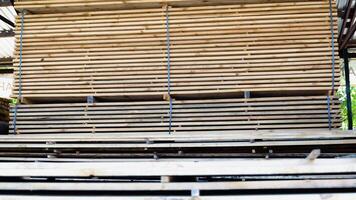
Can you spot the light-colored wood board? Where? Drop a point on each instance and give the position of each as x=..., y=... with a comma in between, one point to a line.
x=181, y=167
x=243, y=185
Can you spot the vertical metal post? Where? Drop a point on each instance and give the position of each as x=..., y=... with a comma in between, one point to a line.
x=169, y=69
x=20, y=71
x=20, y=61
x=345, y=56
x=329, y=112
x=333, y=62
x=332, y=45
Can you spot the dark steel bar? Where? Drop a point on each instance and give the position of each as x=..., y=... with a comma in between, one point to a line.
x=169, y=69
x=350, y=32
x=348, y=92
x=345, y=17
x=4, y=3
x=4, y=19
x=5, y=33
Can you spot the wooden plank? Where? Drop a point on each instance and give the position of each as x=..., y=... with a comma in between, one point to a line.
x=192, y=167
x=268, y=135
x=321, y=196
x=201, y=144
x=187, y=186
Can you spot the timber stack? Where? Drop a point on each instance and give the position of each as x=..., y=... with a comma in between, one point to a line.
x=271, y=66
x=195, y=81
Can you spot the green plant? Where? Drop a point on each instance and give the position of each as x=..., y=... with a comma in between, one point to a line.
x=342, y=97
x=13, y=101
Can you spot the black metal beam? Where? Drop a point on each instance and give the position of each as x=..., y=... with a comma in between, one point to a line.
x=350, y=32
x=352, y=55
x=4, y=3
x=6, y=60
x=7, y=33
x=344, y=23
x=4, y=19
x=345, y=56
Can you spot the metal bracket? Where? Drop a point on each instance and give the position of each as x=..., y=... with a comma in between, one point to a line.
x=195, y=192
x=90, y=99
x=314, y=154
x=329, y=112
x=247, y=94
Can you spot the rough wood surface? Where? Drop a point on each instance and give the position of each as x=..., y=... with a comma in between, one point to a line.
x=304, y=196
x=238, y=70
x=179, y=167
x=202, y=144
x=51, y=6
x=189, y=115
x=186, y=186
x=216, y=51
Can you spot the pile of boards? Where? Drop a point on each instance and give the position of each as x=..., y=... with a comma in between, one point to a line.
x=188, y=65
x=176, y=99
x=188, y=115
x=202, y=177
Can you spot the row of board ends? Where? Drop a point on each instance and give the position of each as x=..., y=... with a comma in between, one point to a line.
x=63, y=6
x=91, y=99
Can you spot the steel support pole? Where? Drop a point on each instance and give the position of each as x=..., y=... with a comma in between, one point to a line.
x=345, y=56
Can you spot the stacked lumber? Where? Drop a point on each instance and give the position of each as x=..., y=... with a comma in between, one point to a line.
x=215, y=51
x=54, y=6
x=160, y=145
x=5, y=64
x=240, y=179
x=223, y=66
x=150, y=99
x=187, y=116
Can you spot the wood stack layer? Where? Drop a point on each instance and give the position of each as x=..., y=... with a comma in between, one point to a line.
x=6, y=64
x=188, y=116
x=201, y=144
x=237, y=68
x=53, y=6
x=222, y=50
x=90, y=196
x=233, y=66
x=273, y=179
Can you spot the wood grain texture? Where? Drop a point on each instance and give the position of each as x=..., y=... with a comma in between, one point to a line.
x=179, y=167
x=220, y=50
x=52, y=6
x=306, y=196
x=186, y=186
x=187, y=116
x=321, y=196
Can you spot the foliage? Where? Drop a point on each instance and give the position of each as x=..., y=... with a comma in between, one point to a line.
x=13, y=101
x=342, y=96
